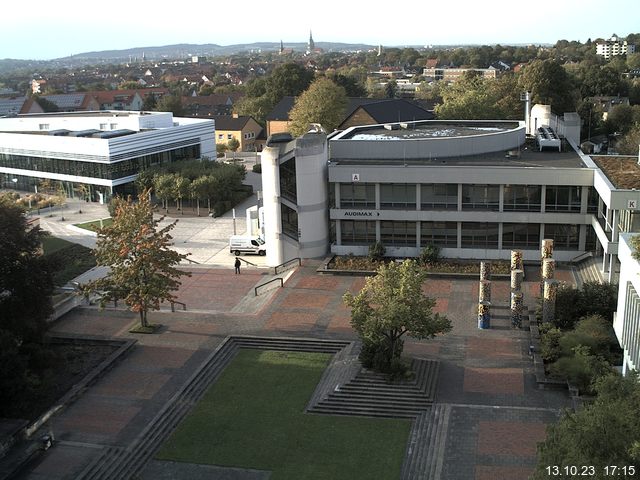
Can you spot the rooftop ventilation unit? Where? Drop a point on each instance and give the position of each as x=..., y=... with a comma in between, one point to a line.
x=83, y=133
x=59, y=133
x=547, y=138
x=113, y=133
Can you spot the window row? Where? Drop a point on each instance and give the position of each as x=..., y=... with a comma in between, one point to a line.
x=444, y=196
x=445, y=234
x=109, y=171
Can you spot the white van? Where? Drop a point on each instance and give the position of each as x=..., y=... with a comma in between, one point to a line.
x=239, y=244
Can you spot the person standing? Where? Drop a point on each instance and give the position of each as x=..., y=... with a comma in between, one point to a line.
x=237, y=265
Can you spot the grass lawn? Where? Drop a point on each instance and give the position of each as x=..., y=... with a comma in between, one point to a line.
x=94, y=225
x=53, y=244
x=253, y=417
x=69, y=259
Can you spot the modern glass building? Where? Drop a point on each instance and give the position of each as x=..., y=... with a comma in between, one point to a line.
x=476, y=189
x=104, y=151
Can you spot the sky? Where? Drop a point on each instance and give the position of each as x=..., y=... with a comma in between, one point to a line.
x=44, y=30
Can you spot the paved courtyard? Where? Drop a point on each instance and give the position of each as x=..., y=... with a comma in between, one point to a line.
x=495, y=412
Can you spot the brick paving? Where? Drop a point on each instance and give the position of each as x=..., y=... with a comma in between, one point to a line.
x=486, y=376
x=492, y=381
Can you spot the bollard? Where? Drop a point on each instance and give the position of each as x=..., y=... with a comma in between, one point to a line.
x=548, y=268
x=517, y=308
x=484, y=292
x=485, y=270
x=516, y=260
x=484, y=315
x=517, y=276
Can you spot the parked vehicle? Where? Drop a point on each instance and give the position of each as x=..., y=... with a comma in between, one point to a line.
x=240, y=244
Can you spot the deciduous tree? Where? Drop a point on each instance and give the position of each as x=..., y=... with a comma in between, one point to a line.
x=142, y=266
x=602, y=434
x=549, y=84
x=392, y=305
x=26, y=286
x=324, y=102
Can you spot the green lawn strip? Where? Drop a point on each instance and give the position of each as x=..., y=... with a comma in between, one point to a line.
x=68, y=259
x=95, y=225
x=53, y=244
x=253, y=417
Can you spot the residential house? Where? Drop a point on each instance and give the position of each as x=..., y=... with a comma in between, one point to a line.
x=607, y=103
x=37, y=85
x=18, y=105
x=375, y=112
x=74, y=102
x=243, y=128
x=208, y=105
x=130, y=100
x=360, y=111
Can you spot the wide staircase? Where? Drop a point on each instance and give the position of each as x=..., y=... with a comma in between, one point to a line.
x=375, y=395
x=345, y=389
x=588, y=270
x=117, y=462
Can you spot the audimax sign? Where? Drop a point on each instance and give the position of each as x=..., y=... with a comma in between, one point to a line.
x=361, y=213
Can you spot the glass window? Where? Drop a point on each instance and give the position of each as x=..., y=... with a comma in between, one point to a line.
x=289, y=221
x=563, y=199
x=522, y=198
x=565, y=237
x=520, y=235
x=629, y=221
x=439, y=196
x=481, y=197
x=398, y=195
x=443, y=234
x=398, y=233
x=593, y=200
x=288, y=187
x=229, y=136
x=357, y=195
x=591, y=240
x=356, y=232
x=479, y=235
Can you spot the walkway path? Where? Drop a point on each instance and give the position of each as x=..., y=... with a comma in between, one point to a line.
x=491, y=412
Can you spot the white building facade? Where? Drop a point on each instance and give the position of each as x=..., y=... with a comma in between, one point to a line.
x=102, y=150
x=626, y=323
x=614, y=47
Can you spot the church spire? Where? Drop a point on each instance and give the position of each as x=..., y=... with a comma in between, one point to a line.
x=311, y=46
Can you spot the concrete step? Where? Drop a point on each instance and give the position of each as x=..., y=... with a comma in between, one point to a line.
x=103, y=465
x=400, y=403
x=364, y=411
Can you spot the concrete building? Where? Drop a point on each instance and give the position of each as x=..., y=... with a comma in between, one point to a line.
x=613, y=47
x=476, y=189
x=103, y=150
x=626, y=322
x=453, y=74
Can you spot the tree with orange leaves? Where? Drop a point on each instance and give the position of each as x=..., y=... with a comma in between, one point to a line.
x=142, y=267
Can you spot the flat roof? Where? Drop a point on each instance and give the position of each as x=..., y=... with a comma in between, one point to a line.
x=427, y=129
x=623, y=172
x=526, y=156
x=89, y=113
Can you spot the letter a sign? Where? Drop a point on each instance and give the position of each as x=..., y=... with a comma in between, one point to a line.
x=632, y=204
x=355, y=177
